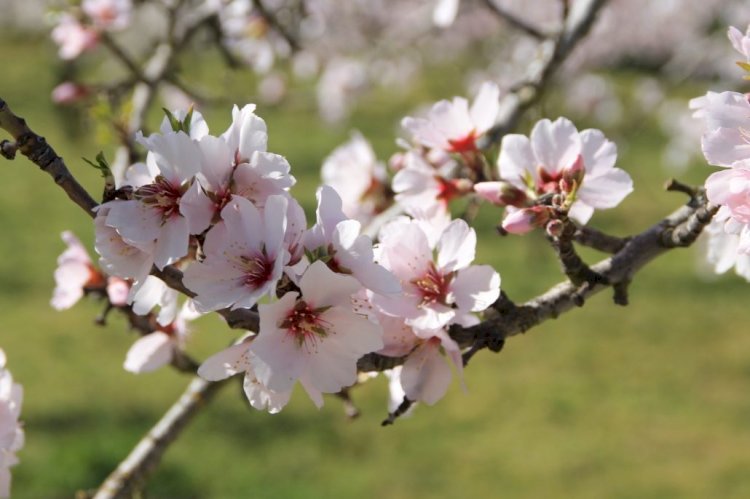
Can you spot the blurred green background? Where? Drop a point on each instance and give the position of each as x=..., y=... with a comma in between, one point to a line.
x=645, y=401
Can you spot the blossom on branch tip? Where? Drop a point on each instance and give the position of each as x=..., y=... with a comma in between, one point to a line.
x=454, y=127
x=557, y=159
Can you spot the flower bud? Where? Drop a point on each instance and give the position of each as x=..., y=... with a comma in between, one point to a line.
x=69, y=93
x=526, y=219
x=501, y=193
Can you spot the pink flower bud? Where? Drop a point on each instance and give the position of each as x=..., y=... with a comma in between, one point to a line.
x=69, y=93
x=572, y=176
x=526, y=219
x=501, y=193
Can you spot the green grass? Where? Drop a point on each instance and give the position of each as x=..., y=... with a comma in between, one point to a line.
x=637, y=402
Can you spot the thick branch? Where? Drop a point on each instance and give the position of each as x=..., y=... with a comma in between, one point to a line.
x=35, y=148
x=129, y=476
x=618, y=270
x=600, y=241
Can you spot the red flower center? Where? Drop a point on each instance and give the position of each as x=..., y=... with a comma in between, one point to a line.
x=464, y=144
x=304, y=324
x=433, y=286
x=162, y=196
x=258, y=269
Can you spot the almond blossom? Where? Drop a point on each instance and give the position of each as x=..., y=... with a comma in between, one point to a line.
x=440, y=290
x=238, y=359
x=454, y=127
x=337, y=241
x=117, y=257
x=740, y=42
x=11, y=433
x=726, y=116
x=423, y=190
x=426, y=375
x=75, y=273
x=723, y=249
x=245, y=256
x=557, y=159
x=357, y=176
x=156, y=214
x=158, y=348
x=108, y=14
x=73, y=37
x=237, y=162
x=313, y=336
x=154, y=293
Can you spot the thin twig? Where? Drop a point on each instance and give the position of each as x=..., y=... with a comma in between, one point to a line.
x=640, y=250
x=516, y=21
x=40, y=153
x=273, y=21
x=532, y=87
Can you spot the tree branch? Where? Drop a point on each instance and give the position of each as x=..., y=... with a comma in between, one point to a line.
x=618, y=270
x=516, y=21
x=532, y=88
x=39, y=152
x=679, y=229
x=273, y=21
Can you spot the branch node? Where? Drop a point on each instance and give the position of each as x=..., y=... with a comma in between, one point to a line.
x=674, y=185
x=8, y=149
x=620, y=296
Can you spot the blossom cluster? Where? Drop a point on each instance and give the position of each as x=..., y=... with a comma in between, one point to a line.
x=218, y=208
x=11, y=433
x=726, y=120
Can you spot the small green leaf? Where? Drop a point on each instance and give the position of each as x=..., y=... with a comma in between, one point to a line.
x=173, y=121
x=101, y=164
